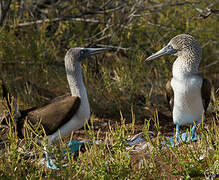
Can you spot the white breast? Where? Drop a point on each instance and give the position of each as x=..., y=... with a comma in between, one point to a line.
x=75, y=123
x=188, y=107
x=78, y=89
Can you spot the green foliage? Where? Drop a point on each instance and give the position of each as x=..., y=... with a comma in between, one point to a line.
x=110, y=158
x=36, y=52
x=119, y=84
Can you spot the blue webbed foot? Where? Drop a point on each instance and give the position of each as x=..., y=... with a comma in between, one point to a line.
x=186, y=137
x=180, y=138
x=73, y=146
x=49, y=163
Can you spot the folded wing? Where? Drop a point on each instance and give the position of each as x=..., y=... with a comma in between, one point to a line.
x=56, y=114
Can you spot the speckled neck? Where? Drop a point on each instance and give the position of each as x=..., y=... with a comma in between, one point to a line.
x=186, y=64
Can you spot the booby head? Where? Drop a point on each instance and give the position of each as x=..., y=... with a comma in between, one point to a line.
x=73, y=58
x=182, y=45
x=79, y=54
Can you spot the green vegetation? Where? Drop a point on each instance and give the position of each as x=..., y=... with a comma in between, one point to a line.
x=120, y=85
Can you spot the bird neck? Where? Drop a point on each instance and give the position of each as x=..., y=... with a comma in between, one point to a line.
x=184, y=66
x=74, y=77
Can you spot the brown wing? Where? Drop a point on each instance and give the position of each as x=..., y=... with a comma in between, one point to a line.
x=206, y=93
x=169, y=95
x=56, y=114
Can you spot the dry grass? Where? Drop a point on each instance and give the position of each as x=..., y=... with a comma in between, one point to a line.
x=124, y=92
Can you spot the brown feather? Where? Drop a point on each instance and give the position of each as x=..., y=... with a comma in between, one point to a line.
x=56, y=114
x=206, y=93
x=169, y=95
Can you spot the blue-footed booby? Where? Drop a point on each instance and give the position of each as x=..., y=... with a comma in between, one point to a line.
x=188, y=94
x=63, y=115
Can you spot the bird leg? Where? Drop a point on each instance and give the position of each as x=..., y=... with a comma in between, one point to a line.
x=175, y=140
x=184, y=137
x=177, y=130
x=73, y=147
x=194, y=137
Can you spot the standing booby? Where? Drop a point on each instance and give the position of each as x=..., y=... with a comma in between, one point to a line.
x=63, y=115
x=188, y=94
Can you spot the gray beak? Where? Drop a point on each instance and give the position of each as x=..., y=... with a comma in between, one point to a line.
x=94, y=51
x=167, y=50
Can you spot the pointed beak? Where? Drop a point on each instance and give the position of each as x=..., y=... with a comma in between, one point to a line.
x=167, y=50
x=94, y=51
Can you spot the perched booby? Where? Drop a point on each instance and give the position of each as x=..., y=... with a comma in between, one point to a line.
x=188, y=94
x=63, y=115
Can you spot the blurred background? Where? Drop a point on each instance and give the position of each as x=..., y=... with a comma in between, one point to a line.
x=35, y=35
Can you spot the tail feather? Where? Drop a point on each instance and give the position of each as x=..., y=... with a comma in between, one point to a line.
x=6, y=95
x=11, y=106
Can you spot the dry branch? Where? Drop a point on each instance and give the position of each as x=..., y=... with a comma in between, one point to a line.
x=59, y=19
x=113, y=47
x=165, y=5
x=208, y=13
x=54, y=63
x=211, y=64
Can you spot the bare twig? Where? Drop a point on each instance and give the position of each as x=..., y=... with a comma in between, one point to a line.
x=55, y=63
x=208, y=13
x=101, y=32
x=211, y=64
x=73, y=18
x=203, y=14
x=165, y=5
x=101, y=38
x=58, y=19
x=113, y=47
x=108, y=10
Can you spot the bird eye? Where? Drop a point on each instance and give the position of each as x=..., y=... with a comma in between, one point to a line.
x=82, y=52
